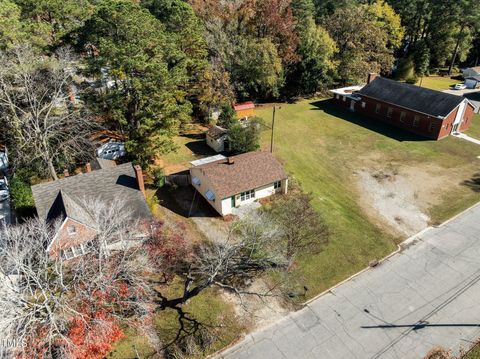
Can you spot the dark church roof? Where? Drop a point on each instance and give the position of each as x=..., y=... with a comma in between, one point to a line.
x=64, y=197
x=430, y=102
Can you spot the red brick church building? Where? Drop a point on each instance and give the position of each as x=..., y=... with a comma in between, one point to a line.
x=428, y=113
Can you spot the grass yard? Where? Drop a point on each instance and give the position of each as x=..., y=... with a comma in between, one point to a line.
x=215, y=323
x=439, y=83
x=322, y=147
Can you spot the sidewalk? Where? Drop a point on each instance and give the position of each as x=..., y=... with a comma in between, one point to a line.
x=465, y=137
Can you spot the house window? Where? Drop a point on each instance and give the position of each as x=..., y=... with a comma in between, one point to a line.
x=402, y=116
x=68, y=253
x=277, y=185
x=337, y=96
x=431, y=126
x=389, y=112
x=378, y=107
x=344, y=98
x=247, y=195
x=71, y=230
x=363, y=104
x=416, y=121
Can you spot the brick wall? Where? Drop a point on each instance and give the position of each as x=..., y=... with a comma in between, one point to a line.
x=66, y=240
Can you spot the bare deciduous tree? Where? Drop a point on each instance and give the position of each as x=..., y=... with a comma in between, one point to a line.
x=301, y=226
x=43, y=296
x=38, y=114
x=251, y=248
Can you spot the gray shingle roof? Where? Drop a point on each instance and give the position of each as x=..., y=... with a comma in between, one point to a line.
x=101, y=163
x=64, y=197
x=216, y=132
x=430, y=102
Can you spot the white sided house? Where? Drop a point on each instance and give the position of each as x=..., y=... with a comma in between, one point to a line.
x=216, y=138
x=232, y=182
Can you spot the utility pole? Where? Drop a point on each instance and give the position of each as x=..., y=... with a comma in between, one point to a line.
x=273, y=126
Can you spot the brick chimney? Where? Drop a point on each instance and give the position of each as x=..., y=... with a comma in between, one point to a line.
x=371, y=76
x=139, y=175
x=65, y=173
x=88, y=167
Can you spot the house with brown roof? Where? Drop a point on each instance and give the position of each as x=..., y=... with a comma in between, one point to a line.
x=64, y=200
x=228, y=183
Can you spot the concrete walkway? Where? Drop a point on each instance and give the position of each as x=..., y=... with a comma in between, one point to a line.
x=425, y=296
x=466, y=137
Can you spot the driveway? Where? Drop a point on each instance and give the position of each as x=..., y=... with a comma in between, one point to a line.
x=423, y=297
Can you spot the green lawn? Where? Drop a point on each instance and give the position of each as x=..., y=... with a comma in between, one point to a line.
x=321, y=146
x=438, y=82
x=474, y=354
x=216, y=320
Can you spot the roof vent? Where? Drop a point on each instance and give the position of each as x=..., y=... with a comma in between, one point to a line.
x=230, y=161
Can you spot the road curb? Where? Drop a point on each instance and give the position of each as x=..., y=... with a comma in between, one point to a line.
x=412, y=240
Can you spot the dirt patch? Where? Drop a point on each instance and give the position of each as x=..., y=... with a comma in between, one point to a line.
x=401, y=195
x=258, y=312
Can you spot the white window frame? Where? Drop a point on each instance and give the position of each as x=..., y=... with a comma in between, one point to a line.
x=70, y=231
x=416, y=121
x=403, y=115
x=364, y=104
x=277, y=184
x=344, y=99
x=245, y=196
x=378, y=108
x=390, y=112
x=68, y=253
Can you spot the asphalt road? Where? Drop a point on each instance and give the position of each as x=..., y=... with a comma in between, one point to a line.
x=426, y=296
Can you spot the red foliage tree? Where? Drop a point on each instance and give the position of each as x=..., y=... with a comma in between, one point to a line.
x=167, y=248
x=92, y=336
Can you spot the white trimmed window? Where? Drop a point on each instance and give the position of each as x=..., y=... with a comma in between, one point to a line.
x=344, y=98
x=337, y=96
x=402, y=116
x=68, y=253
x=416, y=121
x=389, y=112
x=277, y=185
x=431, y=126
x=378, y=107
x=71, y=230
x=245, y=196
x=364, y=104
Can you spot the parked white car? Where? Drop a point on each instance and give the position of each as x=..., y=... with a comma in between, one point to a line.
x=460, y=87
x=4, y=190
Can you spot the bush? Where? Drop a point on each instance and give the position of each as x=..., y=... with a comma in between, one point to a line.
x=22, y=197
x=158, y=178
x=412, y=80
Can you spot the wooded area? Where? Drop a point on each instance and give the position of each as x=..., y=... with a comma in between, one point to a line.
x=145, y=68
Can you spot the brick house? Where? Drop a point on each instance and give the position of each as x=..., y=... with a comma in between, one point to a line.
x=63, y=200
x=428, y=113
x=228, y=183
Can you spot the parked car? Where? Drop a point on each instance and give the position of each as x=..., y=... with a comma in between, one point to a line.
x=4, y=190
x=460, y=87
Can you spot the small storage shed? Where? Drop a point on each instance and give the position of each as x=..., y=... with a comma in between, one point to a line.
x=216, y=138
x=245, y=110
